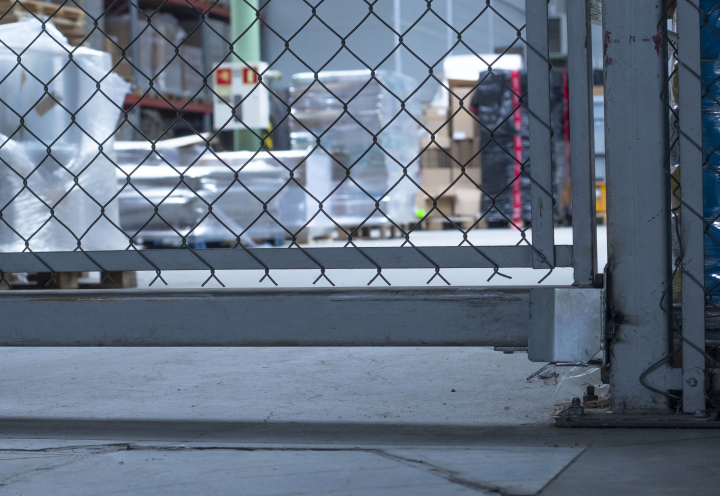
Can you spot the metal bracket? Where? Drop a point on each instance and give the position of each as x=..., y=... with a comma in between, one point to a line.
x=567, y=325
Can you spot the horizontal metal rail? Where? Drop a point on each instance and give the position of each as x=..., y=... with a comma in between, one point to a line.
x=367, y=317
x=279, y=258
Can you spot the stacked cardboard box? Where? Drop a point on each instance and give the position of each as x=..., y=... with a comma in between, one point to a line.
x=456, y=145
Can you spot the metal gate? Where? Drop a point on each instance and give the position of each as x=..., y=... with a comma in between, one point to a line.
x=55, y=151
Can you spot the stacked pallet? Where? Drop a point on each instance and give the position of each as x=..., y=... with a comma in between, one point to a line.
x=70, y=21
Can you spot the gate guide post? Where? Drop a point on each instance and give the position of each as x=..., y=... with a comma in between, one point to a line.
x=638, y=201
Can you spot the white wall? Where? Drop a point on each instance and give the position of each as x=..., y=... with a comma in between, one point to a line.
x=373, y=42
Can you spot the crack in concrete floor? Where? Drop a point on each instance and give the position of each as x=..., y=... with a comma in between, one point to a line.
x=73, y=453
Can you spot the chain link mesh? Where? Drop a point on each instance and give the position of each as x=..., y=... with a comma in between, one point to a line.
x=108, y=140
x=708, y=15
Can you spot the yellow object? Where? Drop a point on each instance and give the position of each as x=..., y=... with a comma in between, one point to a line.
x=600, y=197
x=267, y=138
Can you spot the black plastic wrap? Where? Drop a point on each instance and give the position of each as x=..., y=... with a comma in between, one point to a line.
x=493, y=100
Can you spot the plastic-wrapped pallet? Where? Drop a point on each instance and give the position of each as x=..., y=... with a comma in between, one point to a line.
x=268, y=176
x=183, y=206
x=376, y=168
x=51, y=198
x=710, y=71
x=711, y=192
x=493, y=100
x=710, y=30
x=193, y=71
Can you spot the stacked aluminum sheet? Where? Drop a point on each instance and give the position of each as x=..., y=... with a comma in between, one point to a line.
x=221, y=196
x=361, y=123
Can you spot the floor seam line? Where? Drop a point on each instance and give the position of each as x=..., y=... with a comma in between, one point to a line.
x=441, y=472
x=562, y=471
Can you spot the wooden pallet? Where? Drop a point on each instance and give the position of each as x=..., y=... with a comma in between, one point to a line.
x=70, y=21
x=69, y=280
x=304, y=239
x=364, y=232
x=441, y=223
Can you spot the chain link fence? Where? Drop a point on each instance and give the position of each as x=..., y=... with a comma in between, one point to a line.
x=244, y=136
x=691, y=299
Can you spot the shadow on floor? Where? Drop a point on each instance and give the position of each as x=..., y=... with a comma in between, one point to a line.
x=279, y=432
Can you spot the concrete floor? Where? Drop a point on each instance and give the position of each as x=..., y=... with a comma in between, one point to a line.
x=317, y=421
x=322, y=421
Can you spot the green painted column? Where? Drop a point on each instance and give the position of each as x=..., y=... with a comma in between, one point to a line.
x=243, y=15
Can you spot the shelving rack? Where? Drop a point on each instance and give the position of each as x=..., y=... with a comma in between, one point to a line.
x=182, y=9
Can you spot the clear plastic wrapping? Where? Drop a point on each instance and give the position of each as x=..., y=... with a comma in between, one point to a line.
x=710, y=30
x=237, y=206
x=711, y=199
x=376, y=166
x=46, y=150
x=709, y=71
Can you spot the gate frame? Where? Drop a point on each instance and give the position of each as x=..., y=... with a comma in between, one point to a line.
x=540, y=253
x=638, y=212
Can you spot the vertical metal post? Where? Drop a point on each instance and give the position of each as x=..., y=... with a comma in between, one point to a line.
x=135, y=59
x=538, y=67
x=95, y=10
x=691, y=181
x=582, y=145
x=451, y=37
x=397, y=26
x=245, y=27
x=636, y=137
x=205, y=68
x=491, y=31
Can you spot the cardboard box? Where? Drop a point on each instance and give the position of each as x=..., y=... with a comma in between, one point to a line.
x=123, y=70
x=466, y=152
x=467, y=202
x=436, y=121
x=463, y=199
x=443, y=142
x=454, y=204
x=436, y=154
x=439, y=171
x=435, y=219
x=463, y=125
x=436, y=180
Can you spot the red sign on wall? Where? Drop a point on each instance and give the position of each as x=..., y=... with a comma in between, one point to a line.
x=249, y=76
x=223, y=77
